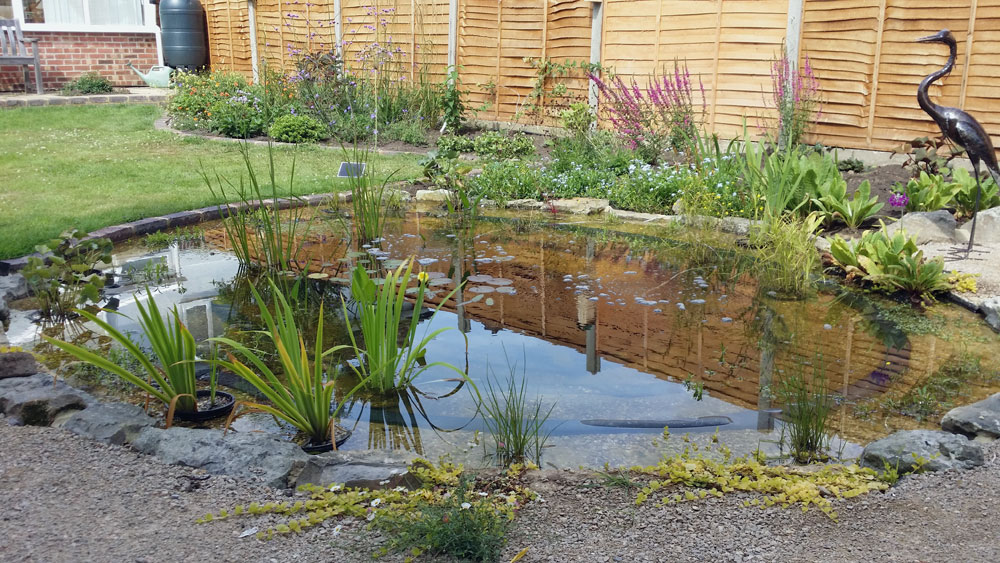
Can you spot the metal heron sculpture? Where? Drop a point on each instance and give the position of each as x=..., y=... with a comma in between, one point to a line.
x=960, y=127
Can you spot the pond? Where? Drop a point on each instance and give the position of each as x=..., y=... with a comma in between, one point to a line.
x=620, y=329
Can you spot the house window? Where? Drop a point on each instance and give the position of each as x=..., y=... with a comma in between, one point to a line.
x=82, y=15
x=83, y=12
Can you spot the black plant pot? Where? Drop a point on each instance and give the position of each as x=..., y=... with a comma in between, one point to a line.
x=322, y=447
x=224, y=403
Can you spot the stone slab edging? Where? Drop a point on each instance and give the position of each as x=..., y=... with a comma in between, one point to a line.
x=40, y=100
x=42, y=400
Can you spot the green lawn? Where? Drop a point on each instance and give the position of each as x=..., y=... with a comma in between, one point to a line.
x=88, y=167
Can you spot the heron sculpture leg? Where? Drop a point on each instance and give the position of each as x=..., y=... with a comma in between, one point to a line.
x=975, y=209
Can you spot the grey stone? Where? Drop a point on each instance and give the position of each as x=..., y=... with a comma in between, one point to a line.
x=37, y=399
x=822, y=244
x=735, y=225
x=433, y=196
x=17, y=364
x=991, y=308
x=393, y=195
x=643, y=217
x=927, y=226
x=531, y=204
x=251, y=455
x=980, y=419
x=364, y=468
x=111, y=423
x=580, y=205
x=13, y=287
x=942, y=450
x=4, y=314
x=987, y=227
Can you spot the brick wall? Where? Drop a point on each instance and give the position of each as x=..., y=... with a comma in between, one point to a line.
x=65, y=56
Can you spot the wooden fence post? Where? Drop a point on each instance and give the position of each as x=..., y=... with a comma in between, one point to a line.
x=452, y=34
x=596, y=33
x=252, y=19
x=793, y=32
x=338, y=27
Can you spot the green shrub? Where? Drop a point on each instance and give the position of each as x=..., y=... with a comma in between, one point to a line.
x=239, y=116
x=965, y=197
x=89, y=83
x=891, y=263
x=297, y=129
x=504, y=180
x=195, y=94
x=493, y=144
x=578, y=119
x=928, y=192
x=448, y=143
x=409, y=131
x=451, y=102
x=851, y=165
x=833, y=203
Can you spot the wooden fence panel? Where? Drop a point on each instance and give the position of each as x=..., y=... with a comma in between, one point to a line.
x=478, y=48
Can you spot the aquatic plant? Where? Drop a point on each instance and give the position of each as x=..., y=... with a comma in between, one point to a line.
x=260, y=235
x=704, y=476
x=516, y=425
x=173, y=381
x=806, y=408
x=304, y=399
x=382, y=365
x=367, y=196
x=785, y=257
x=452, y=106
x=63, y=275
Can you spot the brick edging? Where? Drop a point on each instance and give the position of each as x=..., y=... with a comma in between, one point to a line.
x=57, y=100
x=124, y=231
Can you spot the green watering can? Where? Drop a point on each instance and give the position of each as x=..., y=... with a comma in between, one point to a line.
x=157, y=77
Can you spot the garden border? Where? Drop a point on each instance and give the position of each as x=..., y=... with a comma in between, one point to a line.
x=154, y=96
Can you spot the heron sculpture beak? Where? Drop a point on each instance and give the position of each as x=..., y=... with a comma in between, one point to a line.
x=936, y=38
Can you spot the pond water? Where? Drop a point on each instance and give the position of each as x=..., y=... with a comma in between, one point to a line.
x=619, y=332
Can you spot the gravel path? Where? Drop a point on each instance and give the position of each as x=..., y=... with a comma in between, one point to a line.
x=64, y=499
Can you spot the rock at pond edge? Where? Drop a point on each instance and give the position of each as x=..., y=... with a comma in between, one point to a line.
x=940, y=450
x=977, y=420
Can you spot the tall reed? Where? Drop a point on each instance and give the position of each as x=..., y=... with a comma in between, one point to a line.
x=516, y=425
x=257, y=230
x=383, y=365
x=807, y=406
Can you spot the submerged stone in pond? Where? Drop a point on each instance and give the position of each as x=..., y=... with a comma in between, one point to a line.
x=426, y=261
x=697, y=301
x=726, y=319
x=500, y=281
x=628, y=272
x=480, y=278
x=681, y=307
x=482, y=289
x=484, y=260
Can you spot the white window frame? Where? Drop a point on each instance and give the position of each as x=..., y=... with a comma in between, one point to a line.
x=148, y=17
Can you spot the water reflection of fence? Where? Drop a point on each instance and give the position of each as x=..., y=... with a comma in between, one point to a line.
x=738, y=360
